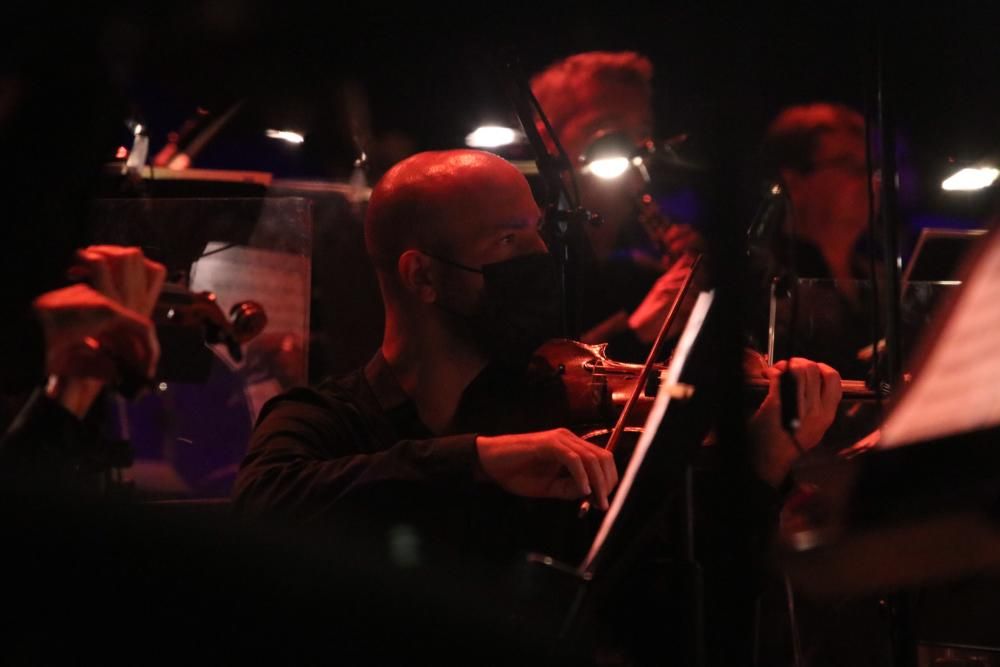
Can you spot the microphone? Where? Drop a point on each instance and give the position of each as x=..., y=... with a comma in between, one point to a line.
x=665, y=153
x=768, y=217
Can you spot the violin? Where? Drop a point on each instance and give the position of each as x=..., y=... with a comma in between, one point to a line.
x=598, y=391
x=180, y=307
x=178, y=310
x=598, y=388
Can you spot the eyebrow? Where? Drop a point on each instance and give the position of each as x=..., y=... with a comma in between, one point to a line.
x=512, y=225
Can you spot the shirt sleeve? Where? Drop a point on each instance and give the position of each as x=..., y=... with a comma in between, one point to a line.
x=46, y=446
x=22, y=353
x=309, y=455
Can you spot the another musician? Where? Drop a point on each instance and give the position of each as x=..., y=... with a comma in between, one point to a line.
x=817, y=153
x=90, y=335
x=433, y=430
x=58, y=100
x=633, y=276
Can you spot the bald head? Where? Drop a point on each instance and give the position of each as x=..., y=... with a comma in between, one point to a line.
x=444, y=202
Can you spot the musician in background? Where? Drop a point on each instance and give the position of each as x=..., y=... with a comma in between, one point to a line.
x=639, y=257
x=816, y=152
x=56, y=109
x=91, y=335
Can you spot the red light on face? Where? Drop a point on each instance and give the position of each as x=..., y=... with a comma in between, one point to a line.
x=121, y=153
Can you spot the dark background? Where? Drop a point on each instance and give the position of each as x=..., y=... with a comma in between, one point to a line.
x=426, y=72
x=80, y=73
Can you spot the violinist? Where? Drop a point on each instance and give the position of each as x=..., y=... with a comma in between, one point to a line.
x=817, y=152
x=437, y=430
x=47, y=326
x=90, y=333
x=599, y=101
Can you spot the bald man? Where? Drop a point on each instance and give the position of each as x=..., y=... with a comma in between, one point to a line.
x=465, y=280
x=425, y=427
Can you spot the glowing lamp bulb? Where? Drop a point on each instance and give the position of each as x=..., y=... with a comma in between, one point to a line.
x=286, y=135
x=608, y=168
x=491, y=136
x=971, y=178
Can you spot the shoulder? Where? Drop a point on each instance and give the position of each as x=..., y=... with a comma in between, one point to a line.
x=334, y=396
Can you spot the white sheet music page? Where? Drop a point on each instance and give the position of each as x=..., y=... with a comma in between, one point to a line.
x=652, y=424
x=957, y=388
x=278, y=281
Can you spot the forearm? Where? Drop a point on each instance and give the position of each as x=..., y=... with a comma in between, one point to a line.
x=281, y=474
x=76, y=395
x=46, y=443
x=609, y=328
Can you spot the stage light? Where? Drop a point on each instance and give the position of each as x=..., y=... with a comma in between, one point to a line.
x=608, y=167
x=286, y=135
x=971, y=178
x=492, y=136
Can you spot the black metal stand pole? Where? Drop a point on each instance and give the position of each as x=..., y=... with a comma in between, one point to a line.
x=897, y=604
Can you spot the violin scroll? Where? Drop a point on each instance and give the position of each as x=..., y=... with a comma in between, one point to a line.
x=180, y=307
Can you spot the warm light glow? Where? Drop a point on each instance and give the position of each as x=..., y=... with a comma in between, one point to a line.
x=971, y=178
x=608, y=168
x=138, y=129
x=286, y=135
x=491, y=136
x=121, y=153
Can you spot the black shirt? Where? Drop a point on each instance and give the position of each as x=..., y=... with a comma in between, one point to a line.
x=619, y=284
x=354, y=452
x=355, y=447
x=829, y=326
x=47, y=450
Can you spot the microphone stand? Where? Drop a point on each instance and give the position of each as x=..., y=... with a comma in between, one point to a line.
x=562, y=225
x=896, y=605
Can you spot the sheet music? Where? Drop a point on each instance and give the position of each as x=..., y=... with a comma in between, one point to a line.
x=957, y=388
x=278, y=281
x=688, y=337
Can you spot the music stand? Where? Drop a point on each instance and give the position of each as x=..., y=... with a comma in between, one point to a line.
x=938, y=254
x=923, y=505
x=673, y=431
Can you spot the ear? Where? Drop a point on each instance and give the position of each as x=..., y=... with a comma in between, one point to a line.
x=414, y=269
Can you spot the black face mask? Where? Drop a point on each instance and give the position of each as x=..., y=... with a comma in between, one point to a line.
x=519, y=309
